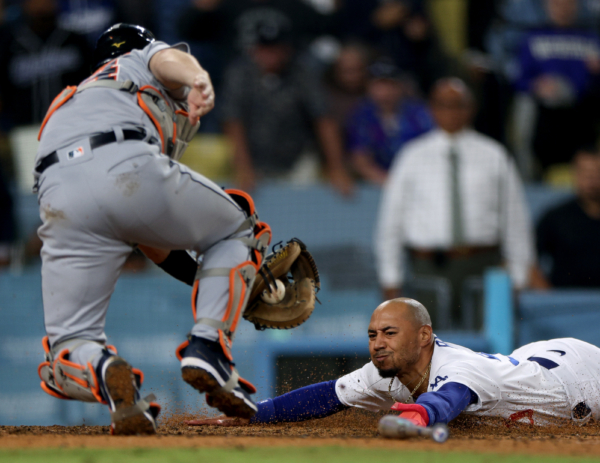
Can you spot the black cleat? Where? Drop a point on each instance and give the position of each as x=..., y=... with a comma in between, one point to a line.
x=130, y=415
x=206, y=368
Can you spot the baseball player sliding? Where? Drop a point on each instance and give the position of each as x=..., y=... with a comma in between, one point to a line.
x=430, y=381
x=108, y=180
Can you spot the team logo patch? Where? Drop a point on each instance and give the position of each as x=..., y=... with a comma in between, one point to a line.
x=118, y=44
x=438, y=379
x=76, y=153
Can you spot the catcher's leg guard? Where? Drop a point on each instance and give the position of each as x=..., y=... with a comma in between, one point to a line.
x=64, y=379
x=112, y=382
x=256, y=236
x=207, y=365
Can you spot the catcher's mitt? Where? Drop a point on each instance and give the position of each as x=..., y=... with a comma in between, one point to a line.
x=296, y=269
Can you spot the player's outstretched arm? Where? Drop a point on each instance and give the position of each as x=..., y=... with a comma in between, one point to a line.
x=307, y=403
x=176, y=70
x=441, y=406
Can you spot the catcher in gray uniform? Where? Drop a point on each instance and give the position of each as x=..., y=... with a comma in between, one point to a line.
x=108, y=180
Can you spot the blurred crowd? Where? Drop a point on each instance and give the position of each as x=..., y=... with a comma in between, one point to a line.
x=377, y=92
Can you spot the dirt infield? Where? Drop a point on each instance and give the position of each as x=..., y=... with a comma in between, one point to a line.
x=348, y=429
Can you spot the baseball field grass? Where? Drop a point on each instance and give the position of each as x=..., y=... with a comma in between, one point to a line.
x=268, y=455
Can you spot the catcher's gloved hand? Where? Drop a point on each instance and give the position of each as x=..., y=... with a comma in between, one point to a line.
x=296, y=269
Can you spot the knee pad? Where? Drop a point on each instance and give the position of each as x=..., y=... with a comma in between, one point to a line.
x=67, y=380
x=241, y=278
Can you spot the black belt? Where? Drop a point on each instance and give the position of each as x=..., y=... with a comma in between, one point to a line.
x=96, y=141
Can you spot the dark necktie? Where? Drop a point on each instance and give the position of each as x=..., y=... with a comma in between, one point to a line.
x=455, y=199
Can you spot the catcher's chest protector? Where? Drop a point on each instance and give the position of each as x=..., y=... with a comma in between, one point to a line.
x=172, y=124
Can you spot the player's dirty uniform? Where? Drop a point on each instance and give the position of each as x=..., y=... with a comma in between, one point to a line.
x=104, y=186
x=96, y=204
x=537, y=383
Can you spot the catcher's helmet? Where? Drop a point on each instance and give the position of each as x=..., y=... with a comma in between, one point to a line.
x=118, y=40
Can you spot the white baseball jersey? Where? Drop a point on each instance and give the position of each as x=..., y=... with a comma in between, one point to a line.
x=547, y=377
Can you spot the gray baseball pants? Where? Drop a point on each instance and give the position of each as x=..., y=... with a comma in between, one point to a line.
x=97, y=206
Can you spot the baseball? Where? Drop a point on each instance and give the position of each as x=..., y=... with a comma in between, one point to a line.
x=274, y=297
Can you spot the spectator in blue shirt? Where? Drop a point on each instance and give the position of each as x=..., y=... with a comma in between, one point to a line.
x=384, y=122
x=559, y=67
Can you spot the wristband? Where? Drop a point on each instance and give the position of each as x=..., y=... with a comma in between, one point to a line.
x=413, y=412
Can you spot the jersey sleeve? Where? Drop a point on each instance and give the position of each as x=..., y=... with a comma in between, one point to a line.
x=135, y=66
x=152, y=49
x=365, y=388
x=486, y=390
x=307, y=403
x=446, y=404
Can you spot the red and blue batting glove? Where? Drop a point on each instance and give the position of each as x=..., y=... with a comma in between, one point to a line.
x=412, y=412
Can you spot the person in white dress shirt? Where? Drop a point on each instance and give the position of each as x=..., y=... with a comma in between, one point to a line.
x=454, y=205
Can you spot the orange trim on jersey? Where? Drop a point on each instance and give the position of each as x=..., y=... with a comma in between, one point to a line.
x=180, y=349
x=114, y=74
x=102, y=68
x=56, y=103
x=194, y=294
x=94, y=76
x=53, y=393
